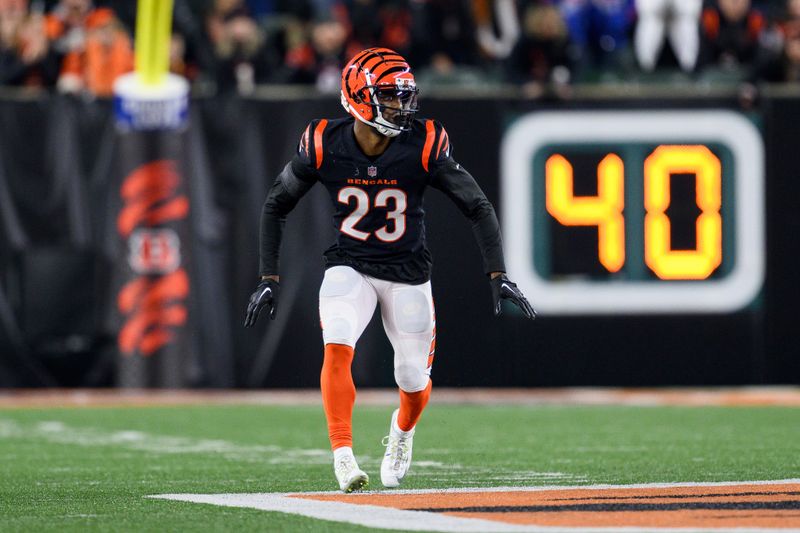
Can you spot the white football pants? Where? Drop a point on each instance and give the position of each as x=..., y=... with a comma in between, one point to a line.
x=347, y=301
x=683, y=19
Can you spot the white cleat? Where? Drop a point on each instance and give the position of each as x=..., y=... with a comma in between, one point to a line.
x=350, y=476
x=397, y=458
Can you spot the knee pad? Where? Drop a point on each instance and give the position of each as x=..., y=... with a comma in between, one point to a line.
x=338, y=329
x=339, y=281
x=339, y=321
x=411, y=378
x=412, y=311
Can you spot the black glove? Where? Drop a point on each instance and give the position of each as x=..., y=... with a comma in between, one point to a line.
x=505, y=289
x=266, y=294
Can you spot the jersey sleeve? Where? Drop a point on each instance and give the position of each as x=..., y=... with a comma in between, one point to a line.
x=294, y=181
x=437, y=149
x=310, y=149
x=457, y=184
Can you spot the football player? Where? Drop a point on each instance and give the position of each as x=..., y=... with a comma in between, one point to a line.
x=376, y=165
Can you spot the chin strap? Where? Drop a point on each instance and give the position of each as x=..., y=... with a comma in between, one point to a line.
x=385, y=130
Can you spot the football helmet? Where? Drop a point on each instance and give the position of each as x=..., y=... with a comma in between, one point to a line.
x=379, y=89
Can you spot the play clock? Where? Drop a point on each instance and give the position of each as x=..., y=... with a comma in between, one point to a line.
x=634, y=211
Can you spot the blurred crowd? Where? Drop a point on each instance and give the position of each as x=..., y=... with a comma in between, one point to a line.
x=544, y=46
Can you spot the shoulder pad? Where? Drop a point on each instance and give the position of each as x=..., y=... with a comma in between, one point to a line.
x=437, y=146
x=310, y=147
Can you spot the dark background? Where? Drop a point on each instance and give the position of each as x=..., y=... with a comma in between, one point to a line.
x=59, y=167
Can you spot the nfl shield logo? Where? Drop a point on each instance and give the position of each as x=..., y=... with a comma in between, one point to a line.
x=372, y=171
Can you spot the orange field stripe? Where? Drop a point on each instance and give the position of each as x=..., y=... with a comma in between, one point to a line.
x=550, y=496
x=745, y=396
x=745, y=505
x=709, y=507
x=650, y=519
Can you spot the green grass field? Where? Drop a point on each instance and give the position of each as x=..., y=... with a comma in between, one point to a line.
x=77, y=469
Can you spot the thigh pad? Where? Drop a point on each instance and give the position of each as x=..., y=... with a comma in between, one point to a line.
x=412, y=310
x=340, y=281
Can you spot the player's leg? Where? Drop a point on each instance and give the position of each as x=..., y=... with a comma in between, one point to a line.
x=649, y=36
x=346, y=304
x=408, y=317
x=684, y=33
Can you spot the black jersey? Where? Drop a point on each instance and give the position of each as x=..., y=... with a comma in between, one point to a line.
x=377, y=201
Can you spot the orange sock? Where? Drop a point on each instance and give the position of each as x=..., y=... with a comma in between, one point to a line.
x=411, y=406
x=338, y=394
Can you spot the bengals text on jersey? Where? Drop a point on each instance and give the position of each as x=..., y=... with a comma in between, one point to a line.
x=378, y=211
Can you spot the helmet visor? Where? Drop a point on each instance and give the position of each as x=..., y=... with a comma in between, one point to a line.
x=396, y=105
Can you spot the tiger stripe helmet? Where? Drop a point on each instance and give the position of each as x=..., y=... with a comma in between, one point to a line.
x=379, y=89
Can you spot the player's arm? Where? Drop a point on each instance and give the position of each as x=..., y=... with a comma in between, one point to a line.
x=457, y=184
x=294, y=181
x=286, y=191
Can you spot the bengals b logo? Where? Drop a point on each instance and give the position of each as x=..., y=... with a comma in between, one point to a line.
x=153, y=302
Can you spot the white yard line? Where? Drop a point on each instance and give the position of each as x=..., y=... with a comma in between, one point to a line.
x=363, y=515
x=379, y=517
